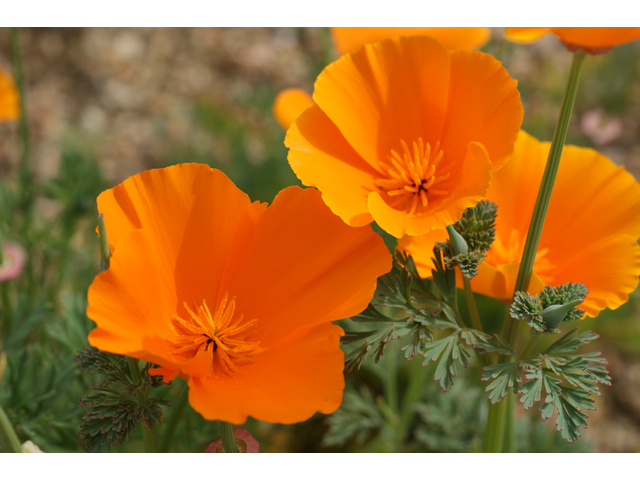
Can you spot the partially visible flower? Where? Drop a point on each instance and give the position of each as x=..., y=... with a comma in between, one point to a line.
x=9, y=103
x=589, y=235
x=30, y=447
x=13, y=258
x=406, y=133
x=233, y=297
x=600, y=128
x=246, y=443
x=591, y=39
x=349, y=39
x=289, y=105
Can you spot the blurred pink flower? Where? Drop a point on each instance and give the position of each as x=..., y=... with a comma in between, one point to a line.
x=246, y=443
x=599, y=128
x=13, y=258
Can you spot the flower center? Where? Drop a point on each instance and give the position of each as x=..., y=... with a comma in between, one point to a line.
x=218, y=334
x=411, y=177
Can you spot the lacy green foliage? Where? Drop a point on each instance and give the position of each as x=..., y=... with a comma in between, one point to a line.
x=418, y=314
x=359, y=418
x=563, y=294
x=543, y=312
x=478, y=225
x=450, y=423
x=567, y=380
x=116, y=411
x=467, y=262
x=527, y=307
x=477, y=228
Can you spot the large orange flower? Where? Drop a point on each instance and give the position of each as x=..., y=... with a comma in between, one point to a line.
x=589, y=234
x=232, y=296
x=591, y=39
x=405, y=132
x=9, y=105
x=349, y=39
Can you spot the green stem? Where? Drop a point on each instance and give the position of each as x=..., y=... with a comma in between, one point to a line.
x=228, y=438
x=26, y=191
x=471, y=305
x=546, y=186
x=530, y=345
x=142, y=399
x=391, y=380
x=509, y=433
x=105, y=253
x=495, y=428
x=176, y=414
x=8, y=434
x=411, y=397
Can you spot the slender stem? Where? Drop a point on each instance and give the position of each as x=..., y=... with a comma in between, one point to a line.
x=494, y=430
x=509, y=426
x=26, y=191
x=411, y=396
x=105, y=253
x=176, y=415
x=142, y=399
x=8, y=434
x=228, y=438
x=391, y=379
x=471, y=305
x=530, y=345
x=546, y=186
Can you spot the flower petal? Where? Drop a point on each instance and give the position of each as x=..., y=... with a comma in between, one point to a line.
x=297, y=377
x=289, y=105
x=525, y=34
x=484, y=106
x=349, y=39
x=395, y=90
x=596, y=37
x=305, y=266
x=320, y=156
x=9, y=99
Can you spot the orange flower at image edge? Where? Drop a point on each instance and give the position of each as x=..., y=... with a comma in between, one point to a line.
x=9, y=104
x=349, y=39
x=406, y=133
x=589, y=234
x=591, y=39
x=232, y=296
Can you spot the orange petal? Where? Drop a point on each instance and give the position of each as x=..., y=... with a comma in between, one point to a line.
x=469, y=185
x=9, y=100
x=609, y=267
x=125, y=306
x=305, y=267
x=289, y=105
x=349, y=39
x=186, y=208
x=320, y=156
x=298, y=376
x=525, y=34
x=387, y=92
x=596, y=37
x=484, y=106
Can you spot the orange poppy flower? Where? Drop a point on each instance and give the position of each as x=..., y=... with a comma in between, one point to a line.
x=591, y=39
x=349, y=39
x=289, y=105
x=406, y=132
x=232, y=296
x=589, y=235
x=9, y=104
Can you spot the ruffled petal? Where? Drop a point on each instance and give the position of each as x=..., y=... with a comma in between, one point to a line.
x=305, y=267
x=484, y=106
x=596, y=37
x=349, y=39
x=300, y=375
x=387, y=92
x=289, y=105
x=320, y=156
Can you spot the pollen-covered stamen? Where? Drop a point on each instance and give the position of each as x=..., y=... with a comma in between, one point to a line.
x=411, y=177
x=219, y=334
